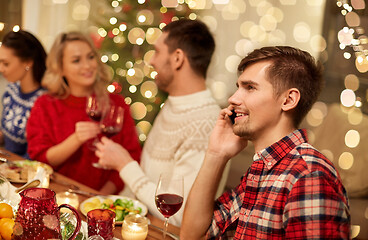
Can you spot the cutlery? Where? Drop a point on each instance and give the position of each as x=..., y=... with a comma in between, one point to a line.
x=5, y=160
x=172, y=235
x=4, y=153
x=33, y=183
x=80, y=192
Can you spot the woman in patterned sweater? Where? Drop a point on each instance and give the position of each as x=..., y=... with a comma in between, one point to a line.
x=22, y=63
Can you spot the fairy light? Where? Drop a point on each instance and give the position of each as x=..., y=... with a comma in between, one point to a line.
x=16, y=28
x=352, y=37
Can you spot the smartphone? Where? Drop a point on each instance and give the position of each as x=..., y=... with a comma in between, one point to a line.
x=232, y=116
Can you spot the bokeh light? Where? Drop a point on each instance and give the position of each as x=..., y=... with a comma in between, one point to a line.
x=231, y=63
x=138, y=110
x=351, y=81
x=352, y=138
x=346, y=160
x=301, y=32
x=355, y=117
x=347, y=98
x=135, y=35
x=152, y=34
x=149, y=86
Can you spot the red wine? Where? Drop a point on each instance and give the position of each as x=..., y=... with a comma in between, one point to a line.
x=110, y=131
x=95, y=115
x=168, y=204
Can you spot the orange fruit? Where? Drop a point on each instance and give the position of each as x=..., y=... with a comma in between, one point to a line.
x=6, y=211
x=6, y=228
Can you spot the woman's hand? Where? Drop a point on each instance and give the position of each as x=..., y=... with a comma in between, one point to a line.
x=86, y=130
x=112, y=155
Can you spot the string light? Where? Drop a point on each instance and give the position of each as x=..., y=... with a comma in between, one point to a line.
x=352, y=35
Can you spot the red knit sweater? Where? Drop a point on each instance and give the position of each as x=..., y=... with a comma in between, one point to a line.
x=52, y=120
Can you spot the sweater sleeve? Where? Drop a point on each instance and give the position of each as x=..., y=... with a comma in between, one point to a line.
x=38, y=135
x=188, y=165
x=127, y=138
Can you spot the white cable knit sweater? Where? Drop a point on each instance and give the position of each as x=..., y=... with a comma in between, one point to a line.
x=177, y=143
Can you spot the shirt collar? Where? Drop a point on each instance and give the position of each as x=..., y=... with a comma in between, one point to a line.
x=279, y=149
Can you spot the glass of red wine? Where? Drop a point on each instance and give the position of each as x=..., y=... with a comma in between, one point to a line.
x=169, y=196
x=111, y=123
x=95, y=111
x=93, y=108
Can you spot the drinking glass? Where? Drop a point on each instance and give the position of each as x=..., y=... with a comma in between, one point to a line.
x=111, y=124
x=95, y=111
x=169, y=196
x=101, y=222
x=4, y=189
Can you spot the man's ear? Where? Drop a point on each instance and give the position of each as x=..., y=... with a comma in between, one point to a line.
x=291, y=99
x=178, y=58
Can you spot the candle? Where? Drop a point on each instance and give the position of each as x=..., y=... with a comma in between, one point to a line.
x=135, y=227
x=68, y=198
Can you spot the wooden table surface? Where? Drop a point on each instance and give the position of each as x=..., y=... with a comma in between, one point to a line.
x=60, y=185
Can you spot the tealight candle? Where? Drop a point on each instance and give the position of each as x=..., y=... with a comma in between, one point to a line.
x=68, y=198
x=135, y=227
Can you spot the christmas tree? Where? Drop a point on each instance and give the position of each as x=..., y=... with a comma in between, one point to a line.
x=124, y=33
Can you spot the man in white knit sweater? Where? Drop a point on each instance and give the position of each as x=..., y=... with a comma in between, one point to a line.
x=179, y=137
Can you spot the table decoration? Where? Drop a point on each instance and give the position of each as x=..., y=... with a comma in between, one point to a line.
x=135, y=227
x=101, y=222
x=67, y=198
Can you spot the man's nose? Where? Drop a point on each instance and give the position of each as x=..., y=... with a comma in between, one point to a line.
x=233, y=99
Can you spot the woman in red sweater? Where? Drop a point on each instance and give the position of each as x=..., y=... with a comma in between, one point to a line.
x=58, y=128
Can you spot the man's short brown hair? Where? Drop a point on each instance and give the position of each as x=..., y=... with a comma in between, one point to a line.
x=290, y=68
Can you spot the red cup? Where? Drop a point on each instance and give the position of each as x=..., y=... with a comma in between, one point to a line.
x=101, y=222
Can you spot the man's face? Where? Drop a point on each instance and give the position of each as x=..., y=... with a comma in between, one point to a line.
x=161, y=62
x=257, y=109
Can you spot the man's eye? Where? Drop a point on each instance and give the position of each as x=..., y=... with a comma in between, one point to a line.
x=76, y=61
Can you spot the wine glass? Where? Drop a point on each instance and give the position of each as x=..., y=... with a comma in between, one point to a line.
x=111, y=124
x=169, y=196
x=94, y=110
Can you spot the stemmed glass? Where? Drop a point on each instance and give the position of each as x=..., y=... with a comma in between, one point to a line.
x=169, y=196
x=95, y=112
x=93, y=109
x=111, y=124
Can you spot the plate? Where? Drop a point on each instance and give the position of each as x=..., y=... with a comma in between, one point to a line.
x=136, y=204
x=19, y=172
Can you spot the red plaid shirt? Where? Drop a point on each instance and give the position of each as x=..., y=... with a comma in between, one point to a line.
x=291, y=191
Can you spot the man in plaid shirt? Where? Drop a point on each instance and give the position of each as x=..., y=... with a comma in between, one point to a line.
x=291, y=191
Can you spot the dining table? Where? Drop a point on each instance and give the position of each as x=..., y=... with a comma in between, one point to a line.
x=60, y=183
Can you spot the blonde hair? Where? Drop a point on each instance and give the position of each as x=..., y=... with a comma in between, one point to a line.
x=53, y=79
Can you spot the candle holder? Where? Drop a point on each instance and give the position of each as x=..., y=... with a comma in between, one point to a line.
x=68, y=198
x=135, y=227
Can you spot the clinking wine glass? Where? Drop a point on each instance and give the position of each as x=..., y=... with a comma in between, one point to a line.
x=111, y=124
x=169, y=196
x=95, y=111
